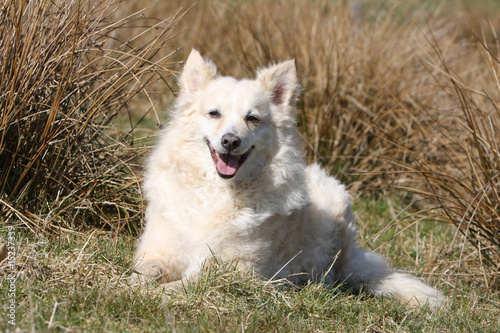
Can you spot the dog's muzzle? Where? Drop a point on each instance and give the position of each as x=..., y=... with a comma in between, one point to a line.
x=227, y=164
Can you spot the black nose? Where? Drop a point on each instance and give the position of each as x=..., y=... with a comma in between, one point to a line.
x=230, y=141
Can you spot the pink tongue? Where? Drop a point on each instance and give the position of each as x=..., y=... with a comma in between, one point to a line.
x=227, y=164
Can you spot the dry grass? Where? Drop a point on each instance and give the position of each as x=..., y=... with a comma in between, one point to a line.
x=461, y=179
x=74, y=284
x=65, y=77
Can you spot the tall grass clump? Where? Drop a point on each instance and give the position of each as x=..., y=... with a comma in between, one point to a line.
x=65, y=77
x=461, y=179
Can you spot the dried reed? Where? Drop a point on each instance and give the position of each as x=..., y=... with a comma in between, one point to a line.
x=64, y=79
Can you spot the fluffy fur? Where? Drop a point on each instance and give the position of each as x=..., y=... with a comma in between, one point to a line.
x=227, y=178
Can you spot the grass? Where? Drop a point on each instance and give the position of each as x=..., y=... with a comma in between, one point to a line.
x=74, y=284
x=400, y=101
x=61, y=160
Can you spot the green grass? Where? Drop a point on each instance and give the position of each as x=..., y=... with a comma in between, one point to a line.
x=75, y=283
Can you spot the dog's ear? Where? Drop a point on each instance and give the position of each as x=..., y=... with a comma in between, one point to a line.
x=280, y=81
x=197, y=73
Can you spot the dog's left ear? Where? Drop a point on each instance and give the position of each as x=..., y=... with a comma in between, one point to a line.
x=280, y=81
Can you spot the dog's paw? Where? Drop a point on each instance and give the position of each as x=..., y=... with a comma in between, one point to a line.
x=174, y=286
x=137, y=279
x=145, y=273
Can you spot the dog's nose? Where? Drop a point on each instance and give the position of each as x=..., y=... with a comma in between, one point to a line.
x=230, y=141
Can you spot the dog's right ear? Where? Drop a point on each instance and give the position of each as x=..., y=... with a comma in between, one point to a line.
x=197, y=73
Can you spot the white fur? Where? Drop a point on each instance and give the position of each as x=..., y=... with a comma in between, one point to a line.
x=275, y=215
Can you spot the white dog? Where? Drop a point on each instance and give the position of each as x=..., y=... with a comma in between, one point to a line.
x=227, y=178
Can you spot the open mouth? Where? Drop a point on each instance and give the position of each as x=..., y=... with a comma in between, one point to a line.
x=227, y=164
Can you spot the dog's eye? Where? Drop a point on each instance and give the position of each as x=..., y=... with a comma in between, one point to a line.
x=252, y=119
x=214, y=114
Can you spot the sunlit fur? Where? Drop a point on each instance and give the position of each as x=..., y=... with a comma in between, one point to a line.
x=276, y=216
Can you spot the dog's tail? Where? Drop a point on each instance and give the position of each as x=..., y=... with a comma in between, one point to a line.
x=370, y=271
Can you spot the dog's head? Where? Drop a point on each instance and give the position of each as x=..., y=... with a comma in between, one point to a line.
x=240, y=122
